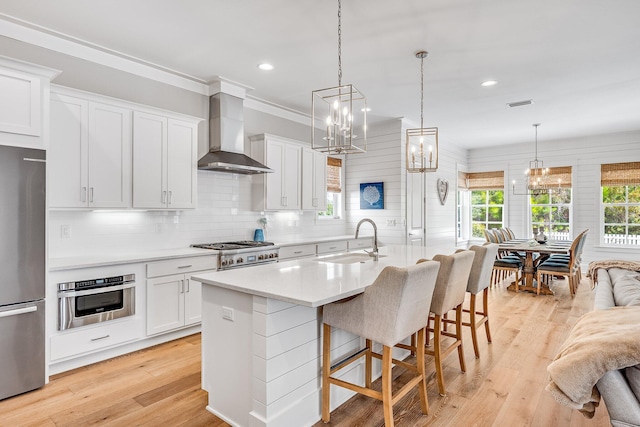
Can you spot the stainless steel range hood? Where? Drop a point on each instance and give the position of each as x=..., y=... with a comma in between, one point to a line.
x=226, y=138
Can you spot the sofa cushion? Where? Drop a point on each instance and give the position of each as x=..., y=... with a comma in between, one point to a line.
x=633, y=378
x=626, y=287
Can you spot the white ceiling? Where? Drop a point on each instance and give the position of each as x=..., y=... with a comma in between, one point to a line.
x=579, y=60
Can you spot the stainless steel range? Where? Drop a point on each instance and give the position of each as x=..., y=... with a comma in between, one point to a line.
x=242, y=253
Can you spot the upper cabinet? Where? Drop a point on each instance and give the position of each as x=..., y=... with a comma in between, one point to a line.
x=89, y=159
x=164, y=162
x=314, y=180
x=24, y=103
x=280, y=190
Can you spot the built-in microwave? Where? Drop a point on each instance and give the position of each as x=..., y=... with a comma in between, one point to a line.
x=96, y=300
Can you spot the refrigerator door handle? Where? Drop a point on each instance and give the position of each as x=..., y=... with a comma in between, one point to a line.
x=29, y=159
x=17, y=311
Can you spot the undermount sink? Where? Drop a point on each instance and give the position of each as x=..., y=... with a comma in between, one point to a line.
x=348, y=258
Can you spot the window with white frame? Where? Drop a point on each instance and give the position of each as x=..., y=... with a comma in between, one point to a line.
x=485, y=195
x=620, y=184
x=551, y=212
x=334, y=189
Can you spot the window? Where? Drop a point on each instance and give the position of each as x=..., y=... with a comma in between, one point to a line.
x=551, y=213
x=486, y=194
x=334, y=189
x=620, y=184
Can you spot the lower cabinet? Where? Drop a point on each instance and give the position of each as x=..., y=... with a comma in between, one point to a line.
x=175, y=300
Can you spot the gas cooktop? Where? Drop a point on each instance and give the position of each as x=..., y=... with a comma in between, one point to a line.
x=242, y=244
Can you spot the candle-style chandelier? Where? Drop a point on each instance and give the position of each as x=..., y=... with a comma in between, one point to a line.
x=538, y=179
x=422, y=143
x=339, y=114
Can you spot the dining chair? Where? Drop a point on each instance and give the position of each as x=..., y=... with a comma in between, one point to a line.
x=479, y=281
x=566, y=268
x=390, y=310
x=449, y=293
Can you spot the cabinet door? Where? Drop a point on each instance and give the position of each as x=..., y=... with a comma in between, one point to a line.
x=20, y=109
x=314, y=180
x=68, y=152
x=182, y=166
x=192, y=301
x=109, y=156
x=273, y=189
x=149, y=161
x=291, y=176
x=165, y=303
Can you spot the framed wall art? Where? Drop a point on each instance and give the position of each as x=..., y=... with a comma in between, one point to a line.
x=372, y=195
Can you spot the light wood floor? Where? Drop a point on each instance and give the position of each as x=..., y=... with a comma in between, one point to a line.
x=160, y=386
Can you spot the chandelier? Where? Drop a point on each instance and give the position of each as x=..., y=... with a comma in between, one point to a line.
x=538, y=179
x=339, y=114
x=422, y=143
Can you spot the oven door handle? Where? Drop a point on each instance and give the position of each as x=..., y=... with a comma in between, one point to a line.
x=93, y=291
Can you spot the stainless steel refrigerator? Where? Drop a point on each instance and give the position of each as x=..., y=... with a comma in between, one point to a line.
x=22, y=270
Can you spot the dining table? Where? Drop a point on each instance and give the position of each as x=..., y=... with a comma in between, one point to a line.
x=532, y=253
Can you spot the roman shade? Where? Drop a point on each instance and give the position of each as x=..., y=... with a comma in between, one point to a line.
x=613, y=174
x=334, y=171
x=563, y=174
x=481, y=180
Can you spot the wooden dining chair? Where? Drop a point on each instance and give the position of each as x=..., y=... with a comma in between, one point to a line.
x=393, y=308
x=568, y=268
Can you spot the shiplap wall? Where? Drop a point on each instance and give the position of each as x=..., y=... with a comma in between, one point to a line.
x=585, y=155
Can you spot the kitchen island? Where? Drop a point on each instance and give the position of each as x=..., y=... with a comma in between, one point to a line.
x=261, y=339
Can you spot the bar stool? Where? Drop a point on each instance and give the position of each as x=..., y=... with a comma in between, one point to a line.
x=449, y=294
x=390, y=310
x=479, y=281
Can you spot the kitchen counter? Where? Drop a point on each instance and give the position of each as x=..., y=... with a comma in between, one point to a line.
x=293, y=241
x=261, y=334
x=69, y=263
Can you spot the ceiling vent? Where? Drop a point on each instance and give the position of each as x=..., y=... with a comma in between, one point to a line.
x=520, y=103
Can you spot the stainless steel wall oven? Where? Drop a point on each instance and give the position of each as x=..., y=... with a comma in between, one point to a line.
x=97, y=300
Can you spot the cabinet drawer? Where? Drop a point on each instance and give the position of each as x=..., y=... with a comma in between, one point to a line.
x=330, y=247
x=298, y=251
x=362, y=243
x=181, y=265
x=88, y=339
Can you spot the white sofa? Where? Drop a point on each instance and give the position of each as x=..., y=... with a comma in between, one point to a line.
x=620, y=389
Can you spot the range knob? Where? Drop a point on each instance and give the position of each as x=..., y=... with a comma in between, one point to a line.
x=275, y=255
x=260, y=257
x=239, y=260
x=230, y=261
x=223, y=263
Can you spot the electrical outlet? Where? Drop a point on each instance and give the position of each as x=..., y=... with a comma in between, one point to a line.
x=391, y=223
x=65, y=231
x=227, y=313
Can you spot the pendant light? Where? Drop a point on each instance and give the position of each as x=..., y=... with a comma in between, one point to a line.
x=422, y=144
x=339, y=114
x=538, y=180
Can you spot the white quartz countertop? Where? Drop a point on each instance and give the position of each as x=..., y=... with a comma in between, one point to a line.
x=68, y=263
x=293, y=241
x=316, y=281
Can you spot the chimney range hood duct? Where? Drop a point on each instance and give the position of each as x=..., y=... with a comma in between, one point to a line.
x=226, y=138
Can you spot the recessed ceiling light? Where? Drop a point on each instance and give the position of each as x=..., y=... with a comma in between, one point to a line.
x=265, y=67
x=489, y=83
x=365, y=109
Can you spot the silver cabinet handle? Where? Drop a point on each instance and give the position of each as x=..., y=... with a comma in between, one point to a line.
x=182, y=286
x=100, y=338
x=185, y=266
x=164, y=197
x=297, y=252
x=83, y=194
x=170, y=194
x=188, y=287
x=90, y=194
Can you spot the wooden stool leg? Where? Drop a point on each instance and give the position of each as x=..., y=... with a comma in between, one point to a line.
x=387, y=400
x=427, y=338
x=485, y=309
x=326, y=370
x=368, y=365
x=539, y=283
x=472, y=321
x=437, y=355
x=424, y=402
x=463, y=368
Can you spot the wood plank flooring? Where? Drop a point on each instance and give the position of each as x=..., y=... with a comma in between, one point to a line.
x=160, y=386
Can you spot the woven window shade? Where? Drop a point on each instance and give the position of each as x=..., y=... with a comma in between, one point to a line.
x=462, y=179
x=562, y=173
x=485, y=180
x=334, y=168
x=620, y=174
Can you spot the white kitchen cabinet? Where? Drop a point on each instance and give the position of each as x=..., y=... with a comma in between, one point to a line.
x=164, y=162
x=89, y=158
x=296, y=251
x=174, y=300
x=280, y=190
x=331, y=247
x=314, y=180
x=24, y=100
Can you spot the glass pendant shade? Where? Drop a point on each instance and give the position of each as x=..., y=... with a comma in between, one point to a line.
x=339, y=120
x=538, y=180
x=422, y=150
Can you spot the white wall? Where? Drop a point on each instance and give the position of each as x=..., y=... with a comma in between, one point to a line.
x=585, y=155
